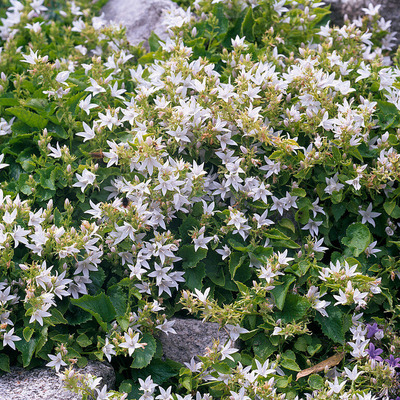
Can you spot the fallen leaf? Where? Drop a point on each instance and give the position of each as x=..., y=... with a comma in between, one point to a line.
x=329, y=362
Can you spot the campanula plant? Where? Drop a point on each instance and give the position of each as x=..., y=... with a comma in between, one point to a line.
x=244, y=171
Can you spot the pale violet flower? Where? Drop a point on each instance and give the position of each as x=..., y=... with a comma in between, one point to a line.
x=87, y=178
x=368, y=215
x=86, y=104
x=2, y=165
x=9, y=338
x=131, y=342
x=56, y=361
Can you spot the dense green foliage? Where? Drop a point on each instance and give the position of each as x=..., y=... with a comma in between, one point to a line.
x=239, y=172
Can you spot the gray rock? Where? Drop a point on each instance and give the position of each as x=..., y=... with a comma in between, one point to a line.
x=139, y=16
x=192, y=338
x=44, y=384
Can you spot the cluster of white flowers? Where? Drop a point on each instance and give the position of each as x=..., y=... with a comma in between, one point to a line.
x=234, y=143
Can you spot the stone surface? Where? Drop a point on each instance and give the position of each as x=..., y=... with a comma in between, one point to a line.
x=191, y=339
x=44, y=384
x=390, y=11
x=139, y=16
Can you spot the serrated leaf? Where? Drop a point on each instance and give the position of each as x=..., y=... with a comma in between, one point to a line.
x=46, y=179
x=290, y=364
x=190, y=256
x=83, y=340
x=4, y=363
x=118, y=298
x=336, y=325
x=280, y=291
x=56, y=317
x=392, y=209
x=276, y=234
x=27, y=349
x=235, y=261
x=28, y=117
x=294, y=309
x=299, y=192
x=222, y=367
x=194, y=277
x=288, y=224
x=247, y=28
x=99, y=306
x=215, y=273
x=142, y=357
x=27, y=333
x=262, y=346
x=154, y=42
x=316, y=382
x=301, y=344
x=8, y=101
x=357, y=238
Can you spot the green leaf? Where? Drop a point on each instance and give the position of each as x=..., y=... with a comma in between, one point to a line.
x=27, y=349
x=294, y=309
x=190, y=256
x=56, y=317
x=222, y=367
x=303, y=215
x=386, y=107
x=125, y=386
x=262, y=346
x=4, y=363
x=357, y=238
x=235, y=261
x=336, y=325
x=160, y=371
x=118, y=298
x=57, y=217
x=77, y=316
x=338, y=210
x=223, y=22
x=37, y=104
x=27, y=333
x=28, y=117
x=280, y=291
x=188, y=224
x=83, y=340
x=288, y=224
x=194, y=277
x=299, y=192
x=42, y=340
x=316, y=382
x=215, y=273
x=99, y=306
x=290, y=364
x=282, y=381
x=301, y=344
x=276, y=234
x=154, y=42
x=392, y=209
x=287, y=244
x=142, y=357
x=8, y=101
x=314, y=348
x=46, y=179
x=247, y=28
x=337, y=155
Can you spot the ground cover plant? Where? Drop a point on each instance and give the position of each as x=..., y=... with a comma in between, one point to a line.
x=245, y=171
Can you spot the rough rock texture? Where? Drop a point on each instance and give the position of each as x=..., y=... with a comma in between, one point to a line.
x=192, y=338
x=390, y=11
x=44, y=384
x=139, y=16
